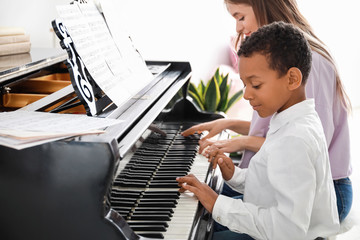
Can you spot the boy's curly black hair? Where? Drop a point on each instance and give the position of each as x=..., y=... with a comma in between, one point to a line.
x=284, y=46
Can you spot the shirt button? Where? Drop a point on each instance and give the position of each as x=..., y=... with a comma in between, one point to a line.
x=218, y=219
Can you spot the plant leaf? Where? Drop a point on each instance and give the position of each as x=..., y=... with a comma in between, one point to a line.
x=224, y=93
x=217, y=76
x=196, y=100
x=212, y=96
x=236, y=97
x=194, y=90
x=202, y=86
x=201, y=89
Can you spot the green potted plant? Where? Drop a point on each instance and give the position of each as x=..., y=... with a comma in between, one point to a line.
x=214, y=95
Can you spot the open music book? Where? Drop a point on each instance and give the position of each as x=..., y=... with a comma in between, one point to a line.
x=107, y=52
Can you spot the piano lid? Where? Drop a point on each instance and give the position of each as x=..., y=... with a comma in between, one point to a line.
x=13, y=66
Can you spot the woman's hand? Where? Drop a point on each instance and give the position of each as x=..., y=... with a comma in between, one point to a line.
x=213, y=127
x=217, y=157
x=227, y=145
x=203, y=192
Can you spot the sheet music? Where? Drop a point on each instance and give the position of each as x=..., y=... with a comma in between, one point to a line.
x=117, y=73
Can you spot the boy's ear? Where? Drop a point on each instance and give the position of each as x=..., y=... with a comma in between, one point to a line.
x=294, y=78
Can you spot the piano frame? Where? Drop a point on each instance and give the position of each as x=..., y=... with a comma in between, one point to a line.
x=50, y=188
x=60, y=190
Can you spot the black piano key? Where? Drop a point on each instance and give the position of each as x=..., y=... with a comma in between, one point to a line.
x=145, y=162
x=156, y=204
x=164, y=177
x=187, y=162
x=118, y=203
x=133, y=223
x=156, y=147
x=173, y=169
x=157, y=217
x=152, y=235
x=165, y=142
x=177, y=160
x=182, y=167
x=125, y=194
x=141, y=167
x=183, y=147
x=121, y=208
x=169, y=200
x=181, y=137
x=149, y=161
x=121, y=180
x=174, y=173
x=171, y=181
x=139, y=212
x=137, y=171
x=149, y=153
x=135, y=176
x=164, y=185
x=179, y=154
x=128, y=198
x=161, y=194
x=150, y=228
x=157, y=209
x=130, y=184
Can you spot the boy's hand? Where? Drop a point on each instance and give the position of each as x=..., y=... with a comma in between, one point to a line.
x=203, y=192
x=227, y=167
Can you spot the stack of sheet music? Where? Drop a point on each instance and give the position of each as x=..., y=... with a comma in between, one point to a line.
x=23, y=129
x=13, y=40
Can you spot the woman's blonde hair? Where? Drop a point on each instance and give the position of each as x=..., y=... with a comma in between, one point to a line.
x=268, y=11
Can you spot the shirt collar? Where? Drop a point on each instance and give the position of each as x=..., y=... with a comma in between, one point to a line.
x=298, y=110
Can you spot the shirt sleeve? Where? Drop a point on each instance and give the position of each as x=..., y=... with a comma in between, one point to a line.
x=292, y=177
x=237, y=182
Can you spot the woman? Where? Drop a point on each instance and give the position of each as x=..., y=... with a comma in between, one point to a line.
x=324, y=85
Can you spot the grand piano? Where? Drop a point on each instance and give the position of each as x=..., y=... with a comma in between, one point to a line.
x=116, y=185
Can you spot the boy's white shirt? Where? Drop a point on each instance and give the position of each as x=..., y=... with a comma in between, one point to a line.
x=288, y=188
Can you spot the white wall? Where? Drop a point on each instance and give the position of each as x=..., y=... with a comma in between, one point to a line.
x=34, y=16
x=194, y=30
x=198, y=30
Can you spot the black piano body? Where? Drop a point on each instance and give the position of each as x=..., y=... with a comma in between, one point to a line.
x=61, y=189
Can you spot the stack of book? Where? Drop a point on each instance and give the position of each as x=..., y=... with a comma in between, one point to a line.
x=13, y=40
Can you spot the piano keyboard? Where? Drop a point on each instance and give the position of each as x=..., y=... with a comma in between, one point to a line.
x=145, y=191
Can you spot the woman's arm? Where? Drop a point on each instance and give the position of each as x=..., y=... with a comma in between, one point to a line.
x=216, y=126
x=240, y=143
